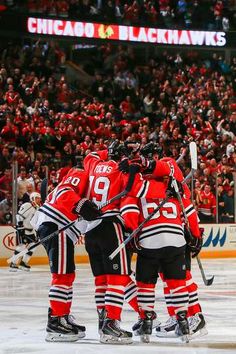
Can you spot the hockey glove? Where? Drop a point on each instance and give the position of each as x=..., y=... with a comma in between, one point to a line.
x=193, y=243
x=123, y=166
x=132, y=244
x=87, y=209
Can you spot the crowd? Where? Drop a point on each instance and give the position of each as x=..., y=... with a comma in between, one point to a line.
x=48, y=124
x=208, y=14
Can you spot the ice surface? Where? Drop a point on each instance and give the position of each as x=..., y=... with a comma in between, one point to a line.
x=24, y=304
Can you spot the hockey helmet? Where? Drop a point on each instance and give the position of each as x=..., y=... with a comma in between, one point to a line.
x=151, y=149
x=35, y=198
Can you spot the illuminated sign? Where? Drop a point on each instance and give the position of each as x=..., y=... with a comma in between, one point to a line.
x=58, y=27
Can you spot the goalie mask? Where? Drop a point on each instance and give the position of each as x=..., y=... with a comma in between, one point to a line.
x=35, y=199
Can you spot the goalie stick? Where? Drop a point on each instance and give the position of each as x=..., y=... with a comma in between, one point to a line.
x=193, y=157
x=128, y=187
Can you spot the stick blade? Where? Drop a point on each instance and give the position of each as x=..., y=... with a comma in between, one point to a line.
x=193, y=155
x=210, y=281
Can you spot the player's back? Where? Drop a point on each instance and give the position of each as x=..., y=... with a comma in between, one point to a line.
x=105, y=182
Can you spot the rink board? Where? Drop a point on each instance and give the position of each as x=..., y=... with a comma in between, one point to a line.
x=219, y=242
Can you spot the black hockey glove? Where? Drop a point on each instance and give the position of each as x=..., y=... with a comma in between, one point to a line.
x=123, y=165
x=87, y=209
x=193, y=243
x=131, y=245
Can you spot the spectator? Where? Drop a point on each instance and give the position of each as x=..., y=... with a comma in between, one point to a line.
x=6, y=209
x=228, y=214
x=206, y=203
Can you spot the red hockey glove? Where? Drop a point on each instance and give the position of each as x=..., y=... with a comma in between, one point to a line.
x=87, y=209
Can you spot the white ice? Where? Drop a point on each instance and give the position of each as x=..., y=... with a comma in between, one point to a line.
x=24, y=304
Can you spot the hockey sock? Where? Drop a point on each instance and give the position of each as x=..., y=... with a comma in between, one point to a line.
x=146, y=297
x=179, y=294
x=194, y=306
x=168, y=298
x=131, y=295
x=114, y=297
x=60, y=293
x=100, y=290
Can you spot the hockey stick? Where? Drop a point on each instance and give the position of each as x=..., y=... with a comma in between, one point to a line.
x=44, y=189
x=180, y=158
x=128, y=187
x=193, y=157
x=139, y=228
x=15, y=257
x=206, y=281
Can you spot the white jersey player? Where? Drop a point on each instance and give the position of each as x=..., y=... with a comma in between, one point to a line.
x=25, y=234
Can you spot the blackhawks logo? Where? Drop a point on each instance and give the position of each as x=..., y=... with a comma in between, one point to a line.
x=105, y=31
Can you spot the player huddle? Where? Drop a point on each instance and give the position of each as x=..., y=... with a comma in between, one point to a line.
x=164, y=245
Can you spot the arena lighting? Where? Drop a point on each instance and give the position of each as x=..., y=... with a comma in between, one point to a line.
x=59, y=27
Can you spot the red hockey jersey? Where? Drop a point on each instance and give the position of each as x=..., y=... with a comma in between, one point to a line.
x=59, y=205
x=105, y=181
x=165, y=228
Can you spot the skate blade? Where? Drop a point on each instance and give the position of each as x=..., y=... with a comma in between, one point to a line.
x=13, y=270
x=185, y=338
x=81, y=334
x=145, y=338
x=59, y=337
x=170, y=334
x=155, y=324
x=108, y=339
x=24, y=269
x=202, y=332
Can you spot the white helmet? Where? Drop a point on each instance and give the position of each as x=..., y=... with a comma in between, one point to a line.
x=33, y=198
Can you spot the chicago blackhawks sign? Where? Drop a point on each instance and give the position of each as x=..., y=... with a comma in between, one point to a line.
x=58, y=27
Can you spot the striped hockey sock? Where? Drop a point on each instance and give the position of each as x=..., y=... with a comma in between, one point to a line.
x=61, y=293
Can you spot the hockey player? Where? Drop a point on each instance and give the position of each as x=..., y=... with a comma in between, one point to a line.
x=112, y=279
x=196, y=319
x=162, y=245
x=63, y=205
x=25, y=233
x=160, y=169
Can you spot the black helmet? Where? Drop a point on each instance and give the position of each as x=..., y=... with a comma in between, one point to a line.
x=150, y=149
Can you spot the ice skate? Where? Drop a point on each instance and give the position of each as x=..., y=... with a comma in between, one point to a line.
x=197, y=326
x=72, y=321
x=182, y=328
x=156, y=323
x=24, y=266
x=113, y=334
x=144, y=329
x=59, y=330
x=168, y=329
x=13, y=267
x=101, y=318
